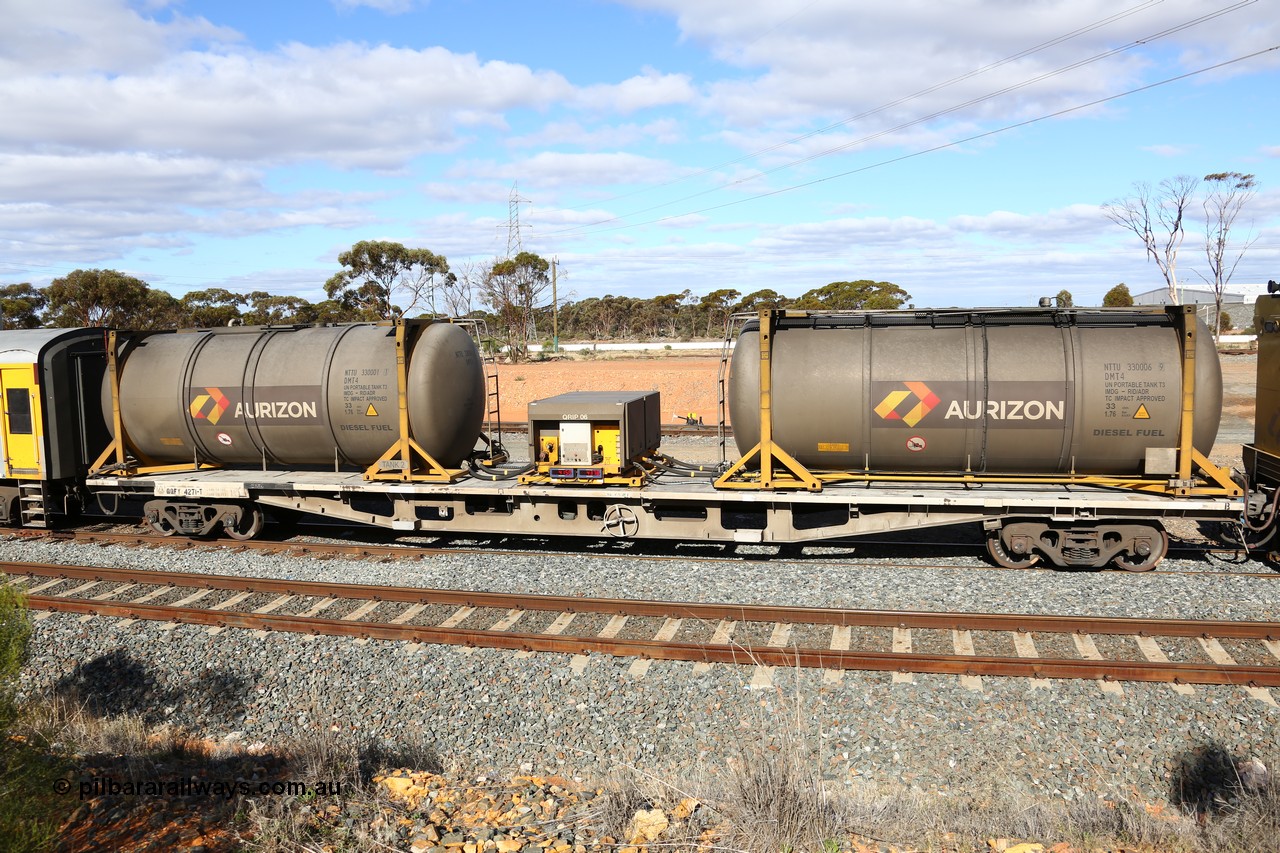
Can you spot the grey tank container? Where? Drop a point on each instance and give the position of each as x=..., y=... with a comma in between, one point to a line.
x=303, y=396
x=994, y=391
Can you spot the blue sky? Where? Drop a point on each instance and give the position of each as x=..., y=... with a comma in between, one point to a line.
x=657, y=145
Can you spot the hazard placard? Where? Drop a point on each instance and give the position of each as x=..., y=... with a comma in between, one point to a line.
x=1142, y=413
x=371, y=412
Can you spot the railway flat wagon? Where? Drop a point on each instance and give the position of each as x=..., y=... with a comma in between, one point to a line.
x=831, y=447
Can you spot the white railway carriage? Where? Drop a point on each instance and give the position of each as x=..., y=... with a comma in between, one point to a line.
x=47, y=434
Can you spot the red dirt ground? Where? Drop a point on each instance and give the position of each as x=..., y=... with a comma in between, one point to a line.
x=687, y=384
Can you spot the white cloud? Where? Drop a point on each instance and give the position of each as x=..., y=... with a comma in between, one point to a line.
x=127, y=180
x=127, y=125
x=662, y=131
x=352, y=105
x=840, y=60
x=390, y=7
x=94, y=232
x=842, y=236
x=554, y=169
x=139, y=183
x=283, y=282
x=477, y=192
x=1077, y=223
x=90, y=208
x=558, y=217
x=648, y=90
x=72, y=37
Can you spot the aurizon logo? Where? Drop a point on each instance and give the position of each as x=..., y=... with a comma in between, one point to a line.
x=214, y=396
x=888, y=407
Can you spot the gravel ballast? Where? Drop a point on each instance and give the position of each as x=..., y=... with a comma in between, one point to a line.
x=491, y=709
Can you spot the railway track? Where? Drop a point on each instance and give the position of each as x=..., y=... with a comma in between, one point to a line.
x=1178, y=652
x=373, y=550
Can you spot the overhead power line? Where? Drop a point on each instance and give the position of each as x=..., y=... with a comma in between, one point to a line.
x=1022, y=54
x=593, y=229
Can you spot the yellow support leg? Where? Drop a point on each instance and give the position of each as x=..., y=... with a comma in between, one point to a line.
x=117, y=458
x=1187, y=423
x=414, y=464
x=790, y=474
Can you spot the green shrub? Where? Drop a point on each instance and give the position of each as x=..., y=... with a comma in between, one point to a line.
x=15, y=633
x=30, y=811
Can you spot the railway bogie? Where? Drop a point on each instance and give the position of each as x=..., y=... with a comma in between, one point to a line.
x=241, y=520
x=1133, y=546
x=1083, y=478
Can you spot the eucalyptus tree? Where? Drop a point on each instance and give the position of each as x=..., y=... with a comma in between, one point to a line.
x=383, y=279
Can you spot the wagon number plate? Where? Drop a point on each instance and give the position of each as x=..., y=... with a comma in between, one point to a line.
x=201, y=490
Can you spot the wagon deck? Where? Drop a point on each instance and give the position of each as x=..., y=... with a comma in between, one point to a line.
x=667, y=508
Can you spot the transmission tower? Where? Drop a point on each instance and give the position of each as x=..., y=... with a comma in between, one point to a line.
x=514, y=244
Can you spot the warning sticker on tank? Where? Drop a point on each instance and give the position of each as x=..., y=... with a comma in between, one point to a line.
x=365, y=389
x=1130, y=388
x=1004, y=405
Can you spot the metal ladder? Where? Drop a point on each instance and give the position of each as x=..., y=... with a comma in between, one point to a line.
x=31, y=504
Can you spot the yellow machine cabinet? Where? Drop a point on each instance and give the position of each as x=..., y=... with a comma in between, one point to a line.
x=593, y=437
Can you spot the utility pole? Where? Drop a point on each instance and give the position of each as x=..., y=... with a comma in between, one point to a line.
x=555, y=309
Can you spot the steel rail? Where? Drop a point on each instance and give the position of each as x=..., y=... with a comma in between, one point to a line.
x=1183, y=673
x=183, y=543
x=1024, y=622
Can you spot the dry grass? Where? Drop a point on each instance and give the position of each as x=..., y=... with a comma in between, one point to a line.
x=65, y=722
x=768, y=797
x=771, y=797
x=774, y=801
x=325, y=751
x=774, y=798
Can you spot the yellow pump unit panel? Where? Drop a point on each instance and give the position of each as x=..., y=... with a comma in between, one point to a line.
x=594, y=437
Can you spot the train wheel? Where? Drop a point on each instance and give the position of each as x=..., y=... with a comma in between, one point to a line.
x=1002, y=557
x=250, y=525
x=1147, y=562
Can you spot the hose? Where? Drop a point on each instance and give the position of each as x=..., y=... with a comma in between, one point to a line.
x=689, y=471
x=498, y=474
x=1271, y=515
x=666, y=462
